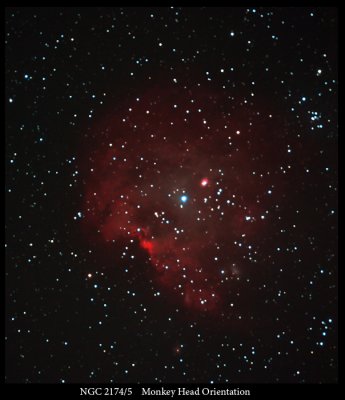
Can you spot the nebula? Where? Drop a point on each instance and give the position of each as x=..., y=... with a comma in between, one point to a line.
x=183, y=172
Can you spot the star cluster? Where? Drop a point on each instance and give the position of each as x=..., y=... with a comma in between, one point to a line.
x=171, y=188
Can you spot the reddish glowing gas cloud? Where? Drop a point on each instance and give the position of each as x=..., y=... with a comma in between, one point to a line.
x=171, y=171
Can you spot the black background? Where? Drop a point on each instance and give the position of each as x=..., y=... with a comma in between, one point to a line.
x=47, y=294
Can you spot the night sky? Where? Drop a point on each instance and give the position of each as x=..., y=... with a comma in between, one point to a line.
x=171, y=195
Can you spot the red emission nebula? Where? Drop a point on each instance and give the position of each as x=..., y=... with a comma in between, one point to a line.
x=183, y=172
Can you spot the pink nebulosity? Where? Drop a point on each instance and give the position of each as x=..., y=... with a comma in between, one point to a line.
x=150, y=177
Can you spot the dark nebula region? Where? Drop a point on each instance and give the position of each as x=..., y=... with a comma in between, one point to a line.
x=184, y=172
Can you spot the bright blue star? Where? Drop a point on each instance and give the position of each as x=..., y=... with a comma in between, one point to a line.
x=184, y=198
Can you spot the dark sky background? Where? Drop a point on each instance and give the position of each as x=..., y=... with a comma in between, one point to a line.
x=171, y=195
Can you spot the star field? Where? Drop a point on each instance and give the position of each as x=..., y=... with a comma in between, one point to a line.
x=171, y=195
